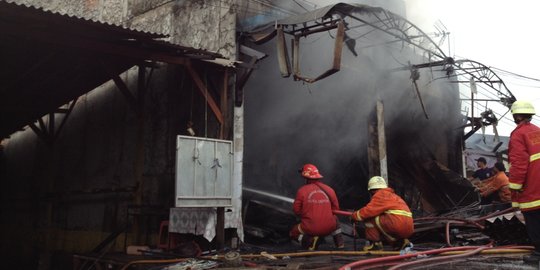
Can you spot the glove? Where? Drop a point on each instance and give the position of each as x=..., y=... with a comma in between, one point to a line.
x=352, y=218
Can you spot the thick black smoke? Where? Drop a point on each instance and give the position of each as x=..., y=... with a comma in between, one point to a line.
x=289, y=123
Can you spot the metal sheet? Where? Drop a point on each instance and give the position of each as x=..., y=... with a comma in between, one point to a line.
x=203, y=172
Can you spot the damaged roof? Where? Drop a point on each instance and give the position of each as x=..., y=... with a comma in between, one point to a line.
x=49, y=59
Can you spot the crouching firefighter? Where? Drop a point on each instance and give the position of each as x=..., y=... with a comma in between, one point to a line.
x=314, y=204
x=386, y=217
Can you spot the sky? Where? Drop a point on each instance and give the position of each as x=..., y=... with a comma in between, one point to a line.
x=500, y=34
x=497, y=33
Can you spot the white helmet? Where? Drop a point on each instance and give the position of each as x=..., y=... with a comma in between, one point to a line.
x=522, y=107
x=376, y=182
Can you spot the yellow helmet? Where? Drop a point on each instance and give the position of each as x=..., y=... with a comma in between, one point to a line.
x=522, y=107
x=376, y=182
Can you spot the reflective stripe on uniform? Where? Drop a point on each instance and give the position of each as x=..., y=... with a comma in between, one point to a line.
x=399, y=213
x=300, y=229
x=357, y=215
x=378, y=223
x=527, y=205
x=369, y=225
x=515, y=186
x=515, y=204
x=534, y=157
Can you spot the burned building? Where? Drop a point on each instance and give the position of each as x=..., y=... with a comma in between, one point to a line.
x=290, y=122
x=95, y=94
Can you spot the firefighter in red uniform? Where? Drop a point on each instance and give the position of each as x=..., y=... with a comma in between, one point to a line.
x=524, y=158
x=314, y=204
x=385, y=216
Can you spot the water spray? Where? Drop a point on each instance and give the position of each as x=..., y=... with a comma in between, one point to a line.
x=268, y=194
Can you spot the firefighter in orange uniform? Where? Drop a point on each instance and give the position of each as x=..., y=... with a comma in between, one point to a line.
x=314, y=204
x=495, y=188
x=524, y=158
x=386, y=217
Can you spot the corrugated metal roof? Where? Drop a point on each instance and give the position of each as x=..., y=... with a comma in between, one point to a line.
x=26, y=8
x=97, y=28
x=51, y=58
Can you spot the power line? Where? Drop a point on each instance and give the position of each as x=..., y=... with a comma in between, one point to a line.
x=517, y=75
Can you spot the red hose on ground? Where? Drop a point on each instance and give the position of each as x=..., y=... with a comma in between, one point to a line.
x=342, y=213
x=502, y=212
x=436, y=259
x=401, y=257
x=472, y=222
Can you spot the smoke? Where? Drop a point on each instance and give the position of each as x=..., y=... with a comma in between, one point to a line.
x=290, y=123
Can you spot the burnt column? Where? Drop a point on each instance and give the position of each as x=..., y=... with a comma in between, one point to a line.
x=377, y=160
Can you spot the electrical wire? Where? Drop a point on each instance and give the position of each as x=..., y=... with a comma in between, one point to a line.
x=515, y=74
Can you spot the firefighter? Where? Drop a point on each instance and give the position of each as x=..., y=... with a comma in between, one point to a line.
x=314, y=204
x=495, y=188
x=386, y=217
x=524, y=158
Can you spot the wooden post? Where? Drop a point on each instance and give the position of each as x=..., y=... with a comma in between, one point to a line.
x=139, y=149
x=220, y=227
x=220, y=211
x=377, y=160
x=224, y=129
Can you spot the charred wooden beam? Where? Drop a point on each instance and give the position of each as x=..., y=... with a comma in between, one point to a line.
x=204, y=91
x=377, y=158
x=132, y=101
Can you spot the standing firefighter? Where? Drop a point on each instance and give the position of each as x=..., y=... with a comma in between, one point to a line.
x=524, y=157
x=314, y=204
x=386, y=215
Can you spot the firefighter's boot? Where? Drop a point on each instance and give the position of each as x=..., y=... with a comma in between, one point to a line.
x=310, y=242
x=314, y=243
x=373, y=246
x=402, y=244
x=338, y=241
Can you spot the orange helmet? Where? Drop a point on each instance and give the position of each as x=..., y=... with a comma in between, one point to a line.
x=309, y=171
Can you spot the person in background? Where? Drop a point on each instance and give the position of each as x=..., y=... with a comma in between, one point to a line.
x=524, y=158
x=314, y=204
x=483, y=172
x=386, y=216
x=496, y=187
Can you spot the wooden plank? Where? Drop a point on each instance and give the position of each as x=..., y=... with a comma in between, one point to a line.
x=224, y=98
x=204, y=91
x=132, y=101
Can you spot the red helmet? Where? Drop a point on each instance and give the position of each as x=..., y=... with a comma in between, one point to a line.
x=309, y=171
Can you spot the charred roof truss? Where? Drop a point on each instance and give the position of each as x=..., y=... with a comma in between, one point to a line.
x=397, y=31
